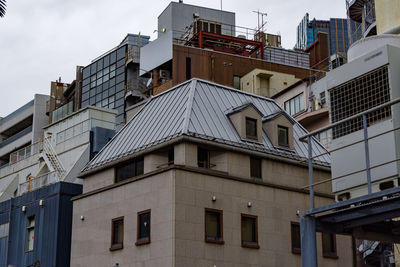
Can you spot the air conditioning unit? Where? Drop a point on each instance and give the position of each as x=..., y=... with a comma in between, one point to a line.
x=164, y=74
x=316, y=104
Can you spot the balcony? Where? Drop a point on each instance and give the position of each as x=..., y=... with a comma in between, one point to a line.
x=34, y=183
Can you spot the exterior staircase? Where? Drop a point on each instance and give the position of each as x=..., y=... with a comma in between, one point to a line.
x=54, y=164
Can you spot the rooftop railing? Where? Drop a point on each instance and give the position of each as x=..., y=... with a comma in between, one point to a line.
x=34, y=183
x=353, y=124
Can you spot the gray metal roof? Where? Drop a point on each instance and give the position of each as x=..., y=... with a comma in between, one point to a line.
x=199, y=109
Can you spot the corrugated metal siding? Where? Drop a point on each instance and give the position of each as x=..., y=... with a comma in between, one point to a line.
x=198, y=108
x=52, y=226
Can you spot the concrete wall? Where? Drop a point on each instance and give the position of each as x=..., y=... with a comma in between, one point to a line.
x=387, y=14
x=289, y=94
x=91, y=237
x=177, y=16
x=40, y=119
x=257, y=82
x=275, y=209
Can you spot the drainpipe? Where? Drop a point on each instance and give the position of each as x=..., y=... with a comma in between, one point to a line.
x=9, y=230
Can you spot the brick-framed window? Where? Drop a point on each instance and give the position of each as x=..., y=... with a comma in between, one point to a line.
x=143, y=227
x=249, y=231
x=329, y=245
x=213, y=226
x=117, y=233
x=295, y=236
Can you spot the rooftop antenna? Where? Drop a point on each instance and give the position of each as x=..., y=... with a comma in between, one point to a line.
x=221, y=4
x=260, y=27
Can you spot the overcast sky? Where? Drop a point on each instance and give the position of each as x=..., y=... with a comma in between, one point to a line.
x=45, y=39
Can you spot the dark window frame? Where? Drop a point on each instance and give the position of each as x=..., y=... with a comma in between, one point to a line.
x=286, y=129
x=295, y=250
x=206, y=163
x=188, y=68
x=329, y=254
x=254, y=173
x=147, y=240
x=248, y=136
x=115, y=246
x=220, y=239
x=247, y=244
x=136, y=171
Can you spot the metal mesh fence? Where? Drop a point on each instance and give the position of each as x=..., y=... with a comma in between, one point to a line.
x=358, y=95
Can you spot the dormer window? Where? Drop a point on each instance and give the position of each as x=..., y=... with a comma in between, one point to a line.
x=283, y=136
x=279, y=129
x=247, y=122
x=251, y=128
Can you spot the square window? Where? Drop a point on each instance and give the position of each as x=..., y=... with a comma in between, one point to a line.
x=30, y=234
x=295, y=232
x=249, y=231
x=329, y=245
x=143, y=228
x=251, y=128
x=255, y=167
x=213, y=226
x=283, y=136
x=203, y=157
x=117, y=233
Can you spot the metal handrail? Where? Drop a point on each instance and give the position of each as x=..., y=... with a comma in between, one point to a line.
x=330, y=126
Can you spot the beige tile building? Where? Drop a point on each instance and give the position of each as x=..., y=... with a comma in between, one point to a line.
x=203, y=175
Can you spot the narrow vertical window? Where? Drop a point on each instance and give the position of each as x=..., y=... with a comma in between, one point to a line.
x=295, y=232
x=203, y=157
x=213, y=226
x=117, y=233
x=283, y=136
x=251, y=128
x=30, y=234
x=329, y=245
x=249, y=225
x=236, y=82
x=188, y=68
x=171, y=156
x=255, y=167
x=143, y=228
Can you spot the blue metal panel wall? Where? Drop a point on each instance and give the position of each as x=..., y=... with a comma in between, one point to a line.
x=3, y=250
x=53, y=221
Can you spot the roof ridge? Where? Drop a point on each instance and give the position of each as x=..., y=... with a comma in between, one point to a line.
x=189, y=105
x=234, y=90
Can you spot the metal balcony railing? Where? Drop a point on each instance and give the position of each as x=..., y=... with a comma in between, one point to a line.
x=26, y=152
x=367, y=119
x=34, y=183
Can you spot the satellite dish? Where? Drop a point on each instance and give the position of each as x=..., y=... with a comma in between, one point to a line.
x=149, y=82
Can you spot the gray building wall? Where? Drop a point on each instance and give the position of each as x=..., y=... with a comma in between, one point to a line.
x=177, y=16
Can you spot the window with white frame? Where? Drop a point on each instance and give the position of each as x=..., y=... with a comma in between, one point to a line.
x=295, y=105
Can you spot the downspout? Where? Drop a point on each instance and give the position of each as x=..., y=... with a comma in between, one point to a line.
x=9, y=228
